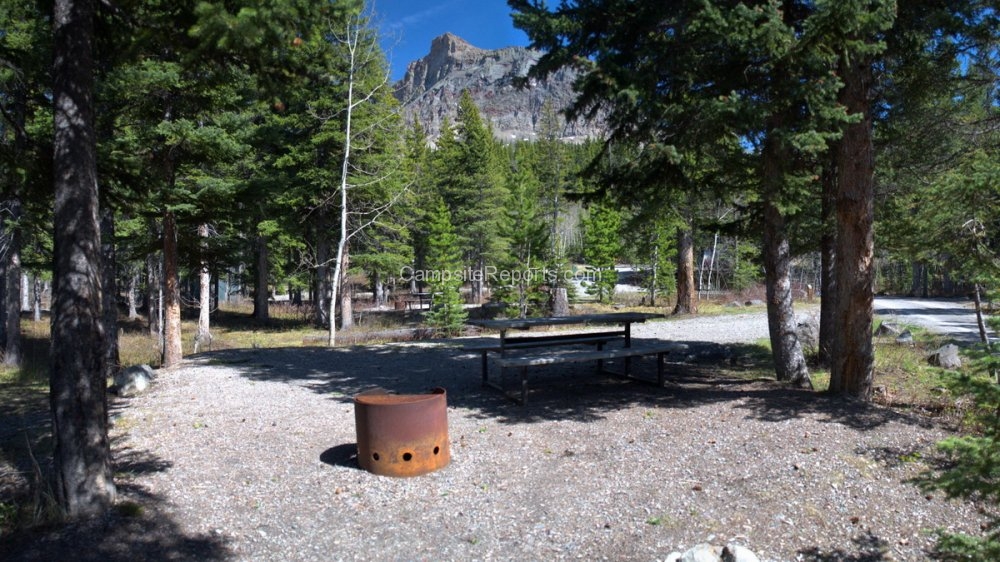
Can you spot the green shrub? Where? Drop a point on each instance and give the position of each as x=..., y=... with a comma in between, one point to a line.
x=973, y=468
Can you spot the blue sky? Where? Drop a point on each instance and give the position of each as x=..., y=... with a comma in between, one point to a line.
x=409, y=25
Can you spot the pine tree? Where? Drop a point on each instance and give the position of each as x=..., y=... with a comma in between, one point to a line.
x=445, y=273
x=649, y=241
x=601, y=247
x=771, y=82
x=472, y=184
x=526, y=269
x=82, y=454
x=25, y=155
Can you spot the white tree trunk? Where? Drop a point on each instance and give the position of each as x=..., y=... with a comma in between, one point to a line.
x=204, y=336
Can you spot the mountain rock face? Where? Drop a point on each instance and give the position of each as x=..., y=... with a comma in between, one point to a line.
x=432, y=86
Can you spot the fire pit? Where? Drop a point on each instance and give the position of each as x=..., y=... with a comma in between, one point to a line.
x=402, y=434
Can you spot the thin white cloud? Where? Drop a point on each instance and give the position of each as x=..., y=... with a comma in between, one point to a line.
x=418, y=17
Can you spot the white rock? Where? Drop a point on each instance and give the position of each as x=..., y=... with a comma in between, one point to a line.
x=133, y=380
x=703, y=553
x=737, y=553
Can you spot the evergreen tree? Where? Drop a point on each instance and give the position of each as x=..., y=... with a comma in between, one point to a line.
x=445, y=272
x=601, y=247
x=25, y=151
x=82, y=455
x=766, y=99
x=525, y=270
x=972, y=470
x=552, y=172
x=472, y=184
x=649, y=242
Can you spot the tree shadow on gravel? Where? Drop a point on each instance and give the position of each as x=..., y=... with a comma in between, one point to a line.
x=869, y=548
x=706, y=373
x=139, y=527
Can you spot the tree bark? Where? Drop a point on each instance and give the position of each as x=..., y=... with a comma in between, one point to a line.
x=12, y=285
x=261, y=292
x=108, y=276
x=789, y=362
x=828, y=256
x=83, y=484
x=25, y=292
x=346, y=304
x=477, y=287
x=322, y=275
x=133, y=288
x=39, y=288
x=172, y=343
x=984, y=335
x=203, y=338
x=686, y=303
x=853, y=366
x=918, y=280
x=155, y=322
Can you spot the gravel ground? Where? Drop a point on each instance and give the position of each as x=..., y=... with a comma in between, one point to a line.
x=249, y=455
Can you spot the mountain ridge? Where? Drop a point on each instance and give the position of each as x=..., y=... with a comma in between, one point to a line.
x=432, y=86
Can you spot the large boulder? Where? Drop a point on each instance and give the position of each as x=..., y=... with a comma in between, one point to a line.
x=945, y=357
x=807, y=329
x=132, y=380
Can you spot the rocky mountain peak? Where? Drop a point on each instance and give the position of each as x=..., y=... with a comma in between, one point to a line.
x=450, y=44
x=432, y=86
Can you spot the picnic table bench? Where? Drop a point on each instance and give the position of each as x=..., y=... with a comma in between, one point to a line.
x=531, y=351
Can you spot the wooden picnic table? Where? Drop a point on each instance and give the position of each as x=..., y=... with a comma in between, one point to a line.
x=552, y=349
x=625, y=319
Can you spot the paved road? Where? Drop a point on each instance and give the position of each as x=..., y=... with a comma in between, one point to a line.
x=955, y=318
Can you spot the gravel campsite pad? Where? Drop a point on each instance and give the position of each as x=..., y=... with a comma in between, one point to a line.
x=250, y=455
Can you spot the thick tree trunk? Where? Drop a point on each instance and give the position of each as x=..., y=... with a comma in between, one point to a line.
x=828, y=256
x=852, y=368
x=686, y=303
x=108, y=276
x=789, y=363
x=83, y=482
x=261, y=291
x=172, y=343
x=12, y=285
x=203, y=338
x=10, y=315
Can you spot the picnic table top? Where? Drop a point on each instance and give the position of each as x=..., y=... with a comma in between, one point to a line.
x=525, y=323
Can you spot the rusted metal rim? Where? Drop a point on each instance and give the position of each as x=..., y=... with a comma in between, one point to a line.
x=402, y=434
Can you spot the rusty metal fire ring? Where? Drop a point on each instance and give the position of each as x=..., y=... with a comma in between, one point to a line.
x=402, y=434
